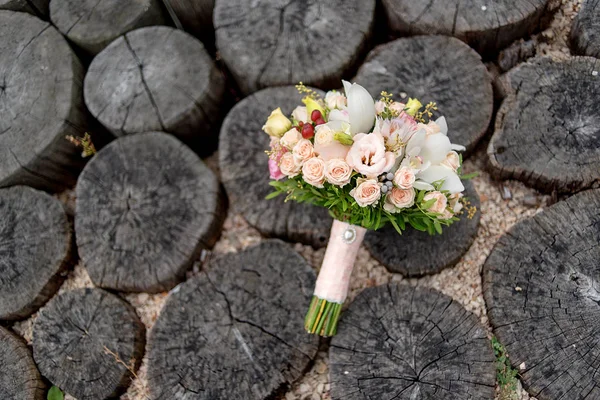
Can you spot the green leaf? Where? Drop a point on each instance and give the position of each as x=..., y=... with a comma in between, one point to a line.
x=469, y=176
x=55, y=394
x=428, y=203
x=438, y=226
x=272, y=195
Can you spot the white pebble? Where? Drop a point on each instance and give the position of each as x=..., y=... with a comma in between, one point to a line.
x=346, y=372
x=594, y=73
x=484, y=8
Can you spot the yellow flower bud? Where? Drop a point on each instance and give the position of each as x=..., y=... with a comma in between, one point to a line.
x=413, y=106
x=311, y=105
x=277, y=124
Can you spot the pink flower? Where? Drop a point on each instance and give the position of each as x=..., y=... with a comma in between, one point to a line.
x=303, y=150
x=274, y=171
x=275, y=158
x=379, y=107
x=404, y=178
x=335, y=99
x=398, y=107
x=368, y=156
x=440, y=203
x=398, y=199
x=290, y=138
x=288, y=165
x=368, y=192
x=396, y=132
x=313, y=172
x=338, y=172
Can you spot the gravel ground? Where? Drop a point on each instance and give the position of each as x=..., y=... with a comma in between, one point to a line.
x=502, y=205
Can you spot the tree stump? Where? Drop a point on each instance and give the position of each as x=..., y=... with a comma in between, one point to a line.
x=38, y=8
x=146, y=207
x=235, y=331
x=89, y=343
x=585, y=32
x=35, y=247
x=439, y=69
x=20, y=379
x=401, y=342
x=542, y=290
x=93, y=24
x=416, y=253
x=274, y=43
x=156, y=79
x=245, y=172
x=41, y=103
x=487, y=26
x=548, y=126
x=196, y=17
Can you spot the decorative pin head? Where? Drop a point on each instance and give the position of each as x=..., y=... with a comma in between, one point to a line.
x=349, y=235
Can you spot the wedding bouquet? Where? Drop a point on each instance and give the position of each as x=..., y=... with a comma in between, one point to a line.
x=371, y=164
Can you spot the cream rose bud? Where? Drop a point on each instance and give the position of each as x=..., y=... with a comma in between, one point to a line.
x=335, y=99
x=379, y=107
x=401, y=198
x=452, y=161
x=454, y=202
x=290, y=138
x=338, y=172
x=324, y=135
x=313, y=172
x=404, y=178
x=289, y=166
x=440, y=203
x=277, y=124
x=300, y=114
x=303, y=151
x=368, y=192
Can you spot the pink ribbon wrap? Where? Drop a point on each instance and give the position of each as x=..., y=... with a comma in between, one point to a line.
x=334, y=277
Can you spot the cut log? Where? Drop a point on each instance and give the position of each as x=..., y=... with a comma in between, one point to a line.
x=400, y=342
x=41, y=102
x=196, y=17
x=281, y=43
x=541, y=287
x=585, y=32
x=38, y=8
x=487, y=26
x=20, y=378
x=234, y=331
x=548, y=126
x=93, y=24
x=157, y=79
x=245, y=172
x=416, y=253
x=35, y=248
x=439, y=69
x=89, y=343
x=146, y=207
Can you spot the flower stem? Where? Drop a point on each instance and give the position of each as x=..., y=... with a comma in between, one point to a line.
x=322, y=317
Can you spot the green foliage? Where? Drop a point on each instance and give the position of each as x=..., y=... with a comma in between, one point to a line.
x=55, y=394
x=506, y=375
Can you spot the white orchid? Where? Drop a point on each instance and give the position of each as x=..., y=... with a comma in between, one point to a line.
x=361, y=108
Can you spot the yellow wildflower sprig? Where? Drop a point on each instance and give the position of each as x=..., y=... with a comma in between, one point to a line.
x=428, y=111
x=85, y=142
x=468, y=208
x=386, y=98
x=302, y=89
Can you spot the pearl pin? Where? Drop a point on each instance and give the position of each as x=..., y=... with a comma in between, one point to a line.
x=349, y=235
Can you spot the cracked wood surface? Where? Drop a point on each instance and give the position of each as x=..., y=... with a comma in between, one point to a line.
x=93, y=24
x=547, y=130
x=416, y=253
x=77, y=338
x=35, y=249
x=282, y=42
x=585, y=32
x=401, y=342
x=157, y=79
x=140, y=225
x=235, y=331
x=542, y=290
x=20, y=378
x=38, y=8
x=40, y=102
x=439, y=69
x=485, y=25
x=245, y=172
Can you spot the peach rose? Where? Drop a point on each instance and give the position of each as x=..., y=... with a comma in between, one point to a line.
x=289, y=166
x=303, y=150
x=313, y=172
x=335, y=99
x=367, y=192
x=452, y=161
x=404, y=178
x=290, y=138
x=446, y=215
x=440, y=202
x=399, y=198
x=368, y=156
x=338, y=172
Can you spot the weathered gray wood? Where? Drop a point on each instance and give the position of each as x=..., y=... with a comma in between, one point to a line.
x=439, y=69
x=35, y=248
x=548, y=127
x=236, y=330
x=20, y=378
x=89, y=343
x=156, y=79
x=517, y=53
x=93, y=24
x=40, y=103
x=485, y=25
x=38, y=8
x=146, y=207
x=275, y=42
x=245, y=172
x=585, y=32
x=542, y=290
x=196, y=17
x=400, y=342
x=416, y=253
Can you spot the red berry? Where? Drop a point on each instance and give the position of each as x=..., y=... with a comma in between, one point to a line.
x=300, y=123
x=320, y=121
x=315, y=115
x=308, y=131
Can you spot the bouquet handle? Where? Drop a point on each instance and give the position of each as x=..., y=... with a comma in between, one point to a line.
x=333, y=281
